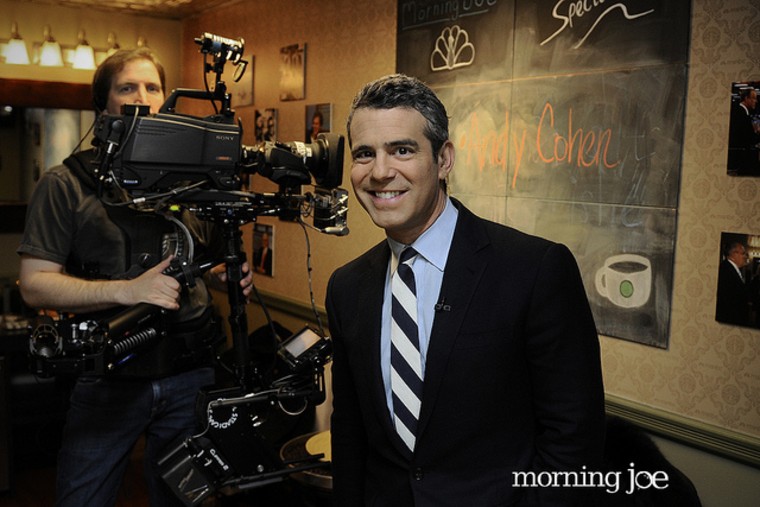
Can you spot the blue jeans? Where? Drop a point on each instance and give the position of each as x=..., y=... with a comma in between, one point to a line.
x=106, y=418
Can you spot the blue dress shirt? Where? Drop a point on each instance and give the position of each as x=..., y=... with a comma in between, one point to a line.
x=433, y=248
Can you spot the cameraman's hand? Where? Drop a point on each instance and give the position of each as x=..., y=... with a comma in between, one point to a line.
x=219, y=278
x=247, y=282
x=154, y=287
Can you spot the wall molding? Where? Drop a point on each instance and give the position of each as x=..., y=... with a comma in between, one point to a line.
x=724, y=442
x=721, y=441
x=292, y=307
x=50, y=94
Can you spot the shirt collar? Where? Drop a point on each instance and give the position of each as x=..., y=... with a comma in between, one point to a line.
x=434, y=243
x=738, y=271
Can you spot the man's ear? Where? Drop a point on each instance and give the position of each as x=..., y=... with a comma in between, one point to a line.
x=446, y=157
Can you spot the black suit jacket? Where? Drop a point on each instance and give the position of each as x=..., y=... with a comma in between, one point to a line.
x=512, y=384
x=742, y=141
x=732, y=304
x=267, y=261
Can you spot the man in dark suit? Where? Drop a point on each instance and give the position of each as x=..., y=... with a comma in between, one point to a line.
x=505, y=346
x=733, y=298
x=262, y=258
x=744, y=136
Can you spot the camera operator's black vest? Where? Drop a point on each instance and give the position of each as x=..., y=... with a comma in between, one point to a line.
x=145, y=236
x=144, y=233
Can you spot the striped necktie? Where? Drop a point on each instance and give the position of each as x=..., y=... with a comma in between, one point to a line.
x=406, y=365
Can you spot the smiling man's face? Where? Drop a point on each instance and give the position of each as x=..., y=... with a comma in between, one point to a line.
x=394, y=172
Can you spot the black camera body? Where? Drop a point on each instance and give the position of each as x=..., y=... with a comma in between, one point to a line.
x=201, y=162
x=158, y=151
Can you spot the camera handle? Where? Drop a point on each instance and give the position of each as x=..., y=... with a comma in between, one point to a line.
x=219, y=94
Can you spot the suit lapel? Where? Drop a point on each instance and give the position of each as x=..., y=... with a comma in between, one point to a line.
x=466, y=263
x=370, y=289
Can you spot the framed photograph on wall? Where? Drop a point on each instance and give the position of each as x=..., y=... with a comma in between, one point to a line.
x=744, y=130
x=242, y=90
x=292, y=72
x=263, y=249
x=737, y=300
x=318, y=120
x=266, y=125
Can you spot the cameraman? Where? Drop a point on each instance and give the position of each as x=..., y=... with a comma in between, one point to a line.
x=83, y=252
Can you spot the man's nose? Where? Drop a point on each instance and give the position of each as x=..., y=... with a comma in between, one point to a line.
x=382, y=168
x=141, y=95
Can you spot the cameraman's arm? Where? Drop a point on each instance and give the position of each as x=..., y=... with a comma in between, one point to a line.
x=44, y=284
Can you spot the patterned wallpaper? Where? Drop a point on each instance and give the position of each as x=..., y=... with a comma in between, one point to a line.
x=711, y=372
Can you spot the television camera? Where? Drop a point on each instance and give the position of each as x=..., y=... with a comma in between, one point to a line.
x=167, y=160
x=185, y=159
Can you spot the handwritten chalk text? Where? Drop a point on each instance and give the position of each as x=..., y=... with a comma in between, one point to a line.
x=488, y=145
x=414, y=14
x=575, y=10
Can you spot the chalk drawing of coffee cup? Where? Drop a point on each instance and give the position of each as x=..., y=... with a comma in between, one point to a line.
x=626, y=280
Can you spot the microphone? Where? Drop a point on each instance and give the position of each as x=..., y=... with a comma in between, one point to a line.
x=442, y=306
x=336, y=231
x=114, y=137
x=112, y=143
x=231, y=49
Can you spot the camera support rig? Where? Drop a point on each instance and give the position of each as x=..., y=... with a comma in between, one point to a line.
x=100, y=347
x=232, y=454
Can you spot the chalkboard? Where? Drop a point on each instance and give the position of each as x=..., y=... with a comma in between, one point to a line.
x=559, y=36
x=473, y=38
x=568, y=123
x=604, y=137
x=631, y=303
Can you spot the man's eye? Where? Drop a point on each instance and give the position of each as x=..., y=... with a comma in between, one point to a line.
x=362, y=155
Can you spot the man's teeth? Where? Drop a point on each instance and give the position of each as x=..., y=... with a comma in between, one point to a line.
x=387, y=195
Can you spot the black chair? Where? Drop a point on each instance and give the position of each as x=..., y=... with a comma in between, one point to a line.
x=627, y=443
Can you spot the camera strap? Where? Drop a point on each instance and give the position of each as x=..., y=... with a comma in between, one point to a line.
x=81, y=164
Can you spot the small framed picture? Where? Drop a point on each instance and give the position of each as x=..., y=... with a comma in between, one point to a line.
x=266, y=125
x=292, y=72
x=738, y=295
x=318, y=120
x=242, y=90
x=744, y=130
x=263, y=249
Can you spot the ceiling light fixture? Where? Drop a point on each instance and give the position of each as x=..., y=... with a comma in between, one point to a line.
x=84, y=55
x=15, y=49
x=50, y=53
x=113, y=45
